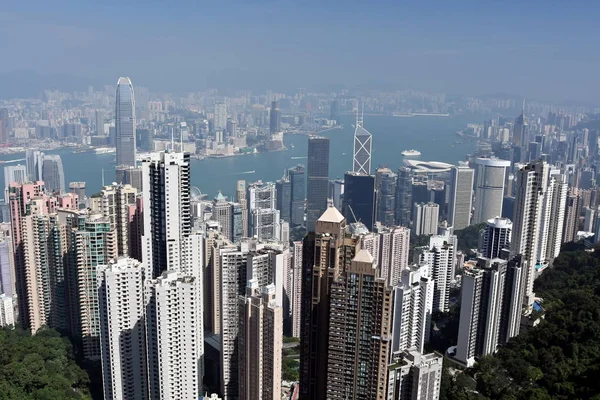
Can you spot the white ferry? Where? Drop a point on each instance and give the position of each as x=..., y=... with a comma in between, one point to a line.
x=105, y=150
x=411, y=153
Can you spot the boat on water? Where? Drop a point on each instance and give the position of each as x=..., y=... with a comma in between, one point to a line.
x=105, y=150
x=411, y=153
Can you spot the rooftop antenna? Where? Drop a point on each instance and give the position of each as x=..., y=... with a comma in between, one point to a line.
x=362, y=114
x=523, y=106
x=353, y=215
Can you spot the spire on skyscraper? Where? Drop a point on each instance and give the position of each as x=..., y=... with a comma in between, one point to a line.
x=362, y=147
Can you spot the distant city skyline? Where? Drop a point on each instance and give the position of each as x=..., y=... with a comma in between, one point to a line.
x=462, y=47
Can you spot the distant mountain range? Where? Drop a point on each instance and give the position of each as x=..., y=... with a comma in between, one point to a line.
x=29, y=84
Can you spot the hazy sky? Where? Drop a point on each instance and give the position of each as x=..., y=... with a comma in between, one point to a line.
x=544, y=49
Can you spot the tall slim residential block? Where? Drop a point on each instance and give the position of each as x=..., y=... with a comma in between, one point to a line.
x=404, y=201
x=440, y=258
x=552, y=218
x=413, y=306
x=220, y=116
x=360, y=331
x=489, y=188
x=317, y=180
x=426, y=216
x=93, y=242
x=496, y=237
x=222, y=213
x=323, y=262
x=123, y=330
x=532, y=182
x=394, y=245
x=120, y=206
x=174, y=336
x=260, y=343
x=571, y=218
x=461, y=196
x=240, y=198
x=359, y=198
x=296, y=289
x=268, y=266
x=167, y=210
x=385, y=183
x=125, y=123
x=53, y=173
x=7, y=266
x=15, y=174
x=298, y=195
x=490, y=308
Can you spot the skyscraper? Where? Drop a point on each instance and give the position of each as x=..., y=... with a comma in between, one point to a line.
x=357, y=368
x=53, y=174
x=298, y=195
x=323, y=262
x=404, y=201
x=284, y=197
x=440, y=258
x=167, y=211
x=496, y=237
x=532, y=181
x=125, y=123
x=14, y=174
x=461, y=196
x=263, y=212
x=394, y=245
x=120, y=205
x=240, y=198
x=415, y=376
x=520, y=134
x=220, y=116
x=359, y=198
x=260, y=343
x=295, y=292
x=318, y=180
x=34, y=160
x=385, y=183
x=274, y=119
x=489, y=189
x=174, y=336
x=571, y=219
x=123, y=330
x=363, y=142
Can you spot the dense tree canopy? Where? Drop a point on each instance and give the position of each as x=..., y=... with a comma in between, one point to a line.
x=559, y=358
x=468, y=238
x=39, y=367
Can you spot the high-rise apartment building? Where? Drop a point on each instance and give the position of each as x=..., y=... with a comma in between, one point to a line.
x=120, y=204
x=394, y=246
x=496, y=237
x=360, y=305
x=440, y=258
x=298, y=195
x=489, y=188
x=7, y=314
x=222, y=212
x=385, y=184
x=53, y=173
x=359, y=198
x=404, y=202
x=532, y=182
x=125, y=123
x=414, y=375
x=174, y=336
x=323, y=255
x=260, y=343
x=123, y=330
x=413, y=306
x=461, y=196
x=167, y=210
x=240, y=198
x=425, y=220
x=220, y=116
x=490, y=308
x=295, y=292
x=317, y=180
x=571, y=219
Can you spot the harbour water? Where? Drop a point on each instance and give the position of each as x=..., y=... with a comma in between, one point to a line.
x=433, y=136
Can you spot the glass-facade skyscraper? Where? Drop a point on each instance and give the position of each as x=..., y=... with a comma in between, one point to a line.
x=125, y=123
x=359, y=198
x=318, y=180
x=298, y=185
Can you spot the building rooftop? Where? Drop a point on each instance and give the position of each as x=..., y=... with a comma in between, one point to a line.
x=331, y=215
x=363, y=256
x=427, y=166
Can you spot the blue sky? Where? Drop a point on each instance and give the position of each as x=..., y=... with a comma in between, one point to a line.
x=538, y=49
